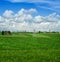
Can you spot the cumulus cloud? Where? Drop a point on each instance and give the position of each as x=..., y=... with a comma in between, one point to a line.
x=24, y=20
x=1, y=19
x=8, y=13
x=38, y=19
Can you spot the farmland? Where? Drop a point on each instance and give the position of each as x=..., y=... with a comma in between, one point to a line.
x=30, y=47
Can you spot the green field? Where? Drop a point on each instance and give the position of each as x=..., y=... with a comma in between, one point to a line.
x=30, y=47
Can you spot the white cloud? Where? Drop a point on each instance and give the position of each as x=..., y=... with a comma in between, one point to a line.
x=24, y=11
x=8, y=13
x=24, y=17
x=1, y=20
x=23, y=20
x=38, y=19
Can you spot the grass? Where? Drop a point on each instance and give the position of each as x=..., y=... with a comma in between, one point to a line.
x=29, y=47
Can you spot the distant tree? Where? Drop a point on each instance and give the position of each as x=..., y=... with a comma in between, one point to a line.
x=2, y=32
x=39, y=31
x=6, y=33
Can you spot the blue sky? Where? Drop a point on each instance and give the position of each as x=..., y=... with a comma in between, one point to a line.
x=44, y=7
x=21, y=15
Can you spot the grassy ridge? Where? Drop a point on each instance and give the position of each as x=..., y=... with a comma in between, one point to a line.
x=28, y=47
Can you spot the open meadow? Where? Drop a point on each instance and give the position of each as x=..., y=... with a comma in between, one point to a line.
x=30, y=47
